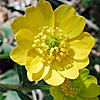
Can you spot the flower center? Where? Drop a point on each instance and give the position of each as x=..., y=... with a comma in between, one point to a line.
x=71, y=88
x=52, y=42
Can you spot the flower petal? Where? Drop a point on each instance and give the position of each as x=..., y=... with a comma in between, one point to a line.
x=82, y=46
x=83, y=63
x=73, y=26
x=25, y=38
x=48, y=14
x=68, y=68
x=18, y=23
x=18, y=55
x=29, y=75
x=33, y=62
x=54, y=78
x=90, y=89
x=38, y=76
x=56, y=93
x=62, y=12
x=90, y=79
x=68, y=98
x=84, y=74
x=91, y=92
x=81, y=98
x=45, y=72
x=34, y=18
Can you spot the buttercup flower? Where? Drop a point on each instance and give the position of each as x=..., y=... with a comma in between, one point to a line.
x=51, y=44
x=83, y=88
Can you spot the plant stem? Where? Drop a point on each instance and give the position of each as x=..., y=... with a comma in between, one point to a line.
x=4, y=56
x=23, y=88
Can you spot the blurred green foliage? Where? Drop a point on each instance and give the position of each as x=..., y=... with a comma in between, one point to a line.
x=18, y=76
x=5, y=37
x=85, y=3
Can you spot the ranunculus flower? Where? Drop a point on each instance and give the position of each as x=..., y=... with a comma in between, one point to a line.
x=83, y=88
x=51, y=44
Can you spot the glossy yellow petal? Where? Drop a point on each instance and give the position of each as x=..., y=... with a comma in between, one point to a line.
x=18, y=55
x=25, y=38
x=33, y=62
x=81, y=46
x=62, y=12
x=34, y=18
x=18, y=23
x=68, y=68
x=38, y=76
x=45, y=72
x=47, y=11
x=54, y=78
x=73, y=26
x=83, y=63
x=29, y=76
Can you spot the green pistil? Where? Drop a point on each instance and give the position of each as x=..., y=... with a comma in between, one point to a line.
x=52, y=42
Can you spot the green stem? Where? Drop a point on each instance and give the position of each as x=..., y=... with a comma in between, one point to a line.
x=23, y=88
x=4, y=56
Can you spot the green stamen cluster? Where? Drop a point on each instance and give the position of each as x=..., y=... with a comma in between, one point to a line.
x=52, y=42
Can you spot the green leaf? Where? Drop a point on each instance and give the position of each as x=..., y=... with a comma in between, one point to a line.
x=9, y=73
x=22, y=74
x=1, y=96
x=6, y=48
x=7, y=31
x=10, y=77
x=86, y=3
x=12, y=95
x=1, y=39
x=23, y=96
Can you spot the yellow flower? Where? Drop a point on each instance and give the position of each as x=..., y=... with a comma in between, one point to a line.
x=85, y=87
x=51, y=44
